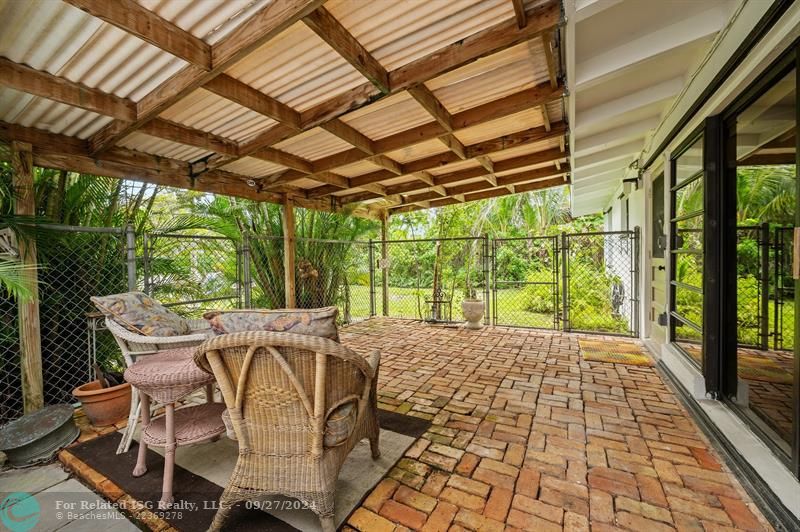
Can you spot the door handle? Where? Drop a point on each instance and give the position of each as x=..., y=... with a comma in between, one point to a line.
x=662, y=268
x=796, y=254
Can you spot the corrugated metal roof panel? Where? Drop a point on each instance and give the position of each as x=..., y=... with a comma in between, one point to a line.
x=502, y=126
x=397, y=33
x=490, y=78
x=297, y=68
x=530, y=167
x=253, y=167
x=527, y=149
x=40, y=113
x=418, y=151
x=314, y=144
x=165, y=148
x=386, y=117
x=455, y=167
x=359, y=168
x=209, y=112
x=209, y=20
x=67, y=42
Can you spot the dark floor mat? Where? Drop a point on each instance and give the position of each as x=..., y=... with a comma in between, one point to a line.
x=199, y=500
x=197, y=495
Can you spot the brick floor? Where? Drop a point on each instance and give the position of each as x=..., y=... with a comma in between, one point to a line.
x=526, y=436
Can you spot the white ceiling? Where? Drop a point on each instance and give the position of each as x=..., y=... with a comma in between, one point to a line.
x=627, y=61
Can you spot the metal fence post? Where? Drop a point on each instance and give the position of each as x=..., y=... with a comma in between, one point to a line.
x=564, y=282
x=130, y=244
x=636, y=301
x=246, y=273
x=146, y=262
x=486, y=279
x=763, y=244
x=371, y=254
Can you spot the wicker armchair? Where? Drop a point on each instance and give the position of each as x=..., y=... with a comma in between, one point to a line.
x=135, y=345
x=298, y=405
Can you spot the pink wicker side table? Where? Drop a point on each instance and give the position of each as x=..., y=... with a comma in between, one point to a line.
x=165, y=378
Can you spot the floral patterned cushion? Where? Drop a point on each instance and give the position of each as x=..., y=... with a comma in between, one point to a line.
x=313, y=322
x=141, y=314
x=340, y=424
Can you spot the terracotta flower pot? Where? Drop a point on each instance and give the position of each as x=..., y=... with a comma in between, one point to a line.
x=473, y=312
x=104, y=406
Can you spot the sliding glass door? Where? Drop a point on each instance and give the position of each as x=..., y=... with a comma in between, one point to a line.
x=686, y=249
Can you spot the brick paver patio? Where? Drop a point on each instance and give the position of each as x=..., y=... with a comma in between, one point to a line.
x=527, y=436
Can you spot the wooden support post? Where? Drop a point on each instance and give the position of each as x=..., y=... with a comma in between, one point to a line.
x=289, y=247
x=30, y=341
x=385, y=261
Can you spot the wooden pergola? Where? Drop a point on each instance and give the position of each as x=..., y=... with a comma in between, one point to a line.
x=379, y=106
x=374, y=107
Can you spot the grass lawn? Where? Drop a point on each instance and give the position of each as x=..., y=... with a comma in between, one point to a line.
x=404, y=303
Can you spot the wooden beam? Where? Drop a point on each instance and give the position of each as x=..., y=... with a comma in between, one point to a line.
x=387, y=164
x=30, y=343
x=332, y=32
x=541, y=17
x=431, y=103
x=26, y=79
x=519, y=12
x=289, y=248
x=283, y=158
x=545, y=116
x=350, y=135
x=547, y=42
x=490, y=193
x=271, y=20
x=234, y=90
x=454, y=145
x=171, y=131
x=524, y=176
x=486, y=42
x=455, y=177
x=131, y=17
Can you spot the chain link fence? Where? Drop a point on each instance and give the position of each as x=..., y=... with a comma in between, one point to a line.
x=192, y=272
x=74, y=264
x=521, y=281
x=427, y=279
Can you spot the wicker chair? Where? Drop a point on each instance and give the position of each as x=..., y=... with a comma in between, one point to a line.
x=135, y=345
x=298, y=405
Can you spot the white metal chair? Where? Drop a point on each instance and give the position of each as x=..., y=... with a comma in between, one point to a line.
x=135, y=345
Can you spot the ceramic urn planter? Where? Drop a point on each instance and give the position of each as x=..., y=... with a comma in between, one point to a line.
x=473, y=313
x=104, y=406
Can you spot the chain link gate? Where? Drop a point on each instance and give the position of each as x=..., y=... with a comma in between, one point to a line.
x=585, y=282
x=525, y=282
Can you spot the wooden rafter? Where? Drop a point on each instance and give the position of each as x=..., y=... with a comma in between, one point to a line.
x=519, y=12
x=546, y=156
x=234, y=90
x=332, y=32
x=26, y=79
x=503, y=107
x=420, y=167
x=485, y=194
x=254, y=32
x=547, y=42
x=542, y=17
x=133, y=18
x=505, y=181
x=206, y=68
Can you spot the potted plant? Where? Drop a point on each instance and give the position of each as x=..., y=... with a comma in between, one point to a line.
x=105, y=400
x=473, y=309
